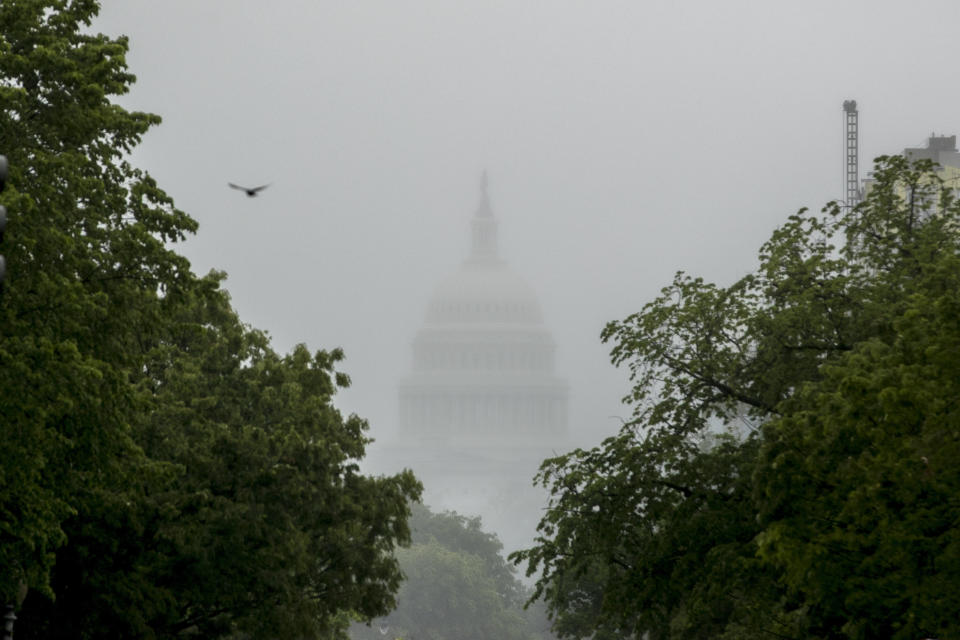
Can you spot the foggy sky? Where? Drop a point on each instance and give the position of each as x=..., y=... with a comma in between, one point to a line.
x=624, y=141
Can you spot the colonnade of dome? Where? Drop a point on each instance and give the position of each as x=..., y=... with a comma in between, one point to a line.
x=506, y=413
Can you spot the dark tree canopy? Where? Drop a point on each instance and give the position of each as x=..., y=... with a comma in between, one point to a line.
x=165, y=471
x=785, y=472
x=87, y=257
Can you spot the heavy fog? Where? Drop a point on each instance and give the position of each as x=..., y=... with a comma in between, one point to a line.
x=623, y=141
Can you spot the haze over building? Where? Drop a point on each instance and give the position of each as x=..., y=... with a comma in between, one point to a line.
x=941, y=150
x=482, y=405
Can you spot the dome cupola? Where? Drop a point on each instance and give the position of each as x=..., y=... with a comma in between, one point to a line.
x=484, y=227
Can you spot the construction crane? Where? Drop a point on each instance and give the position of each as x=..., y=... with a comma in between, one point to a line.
x=851, y=173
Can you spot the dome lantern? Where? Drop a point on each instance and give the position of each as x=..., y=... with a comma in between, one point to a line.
x=484, y=227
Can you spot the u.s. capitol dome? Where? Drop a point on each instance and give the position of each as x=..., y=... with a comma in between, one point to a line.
x=482, y=405
x=483, y=360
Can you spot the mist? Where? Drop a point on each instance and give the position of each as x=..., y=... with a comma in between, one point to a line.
x=624, y=141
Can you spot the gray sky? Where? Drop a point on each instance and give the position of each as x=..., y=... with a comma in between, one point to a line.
x=624, y=141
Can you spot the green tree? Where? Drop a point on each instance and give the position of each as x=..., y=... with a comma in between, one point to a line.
x=655, y=532
x=165, y=472
x=858, y=483
x=261, y=523
x=456, y=585
x=87, y=262
x=652, y=534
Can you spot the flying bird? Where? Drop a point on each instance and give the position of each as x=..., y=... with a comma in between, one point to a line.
x=250, y=191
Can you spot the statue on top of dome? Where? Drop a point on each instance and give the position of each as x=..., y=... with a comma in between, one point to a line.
x=484, y=209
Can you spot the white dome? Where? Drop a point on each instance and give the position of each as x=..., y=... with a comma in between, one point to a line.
x=484, y=291
x=482, y=406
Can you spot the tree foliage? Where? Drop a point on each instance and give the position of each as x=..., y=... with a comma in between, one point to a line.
x=165, y=472
x=771, y=480
x=456, y=585
x=85, y=245
x=858, y=483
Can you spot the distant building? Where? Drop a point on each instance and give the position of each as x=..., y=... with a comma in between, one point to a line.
x=482, y=406
x=939, y=149
x=483, y=361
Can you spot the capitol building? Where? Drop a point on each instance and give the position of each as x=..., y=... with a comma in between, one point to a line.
x=482, y=405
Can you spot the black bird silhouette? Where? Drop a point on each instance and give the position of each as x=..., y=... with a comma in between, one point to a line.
x=250, y=191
